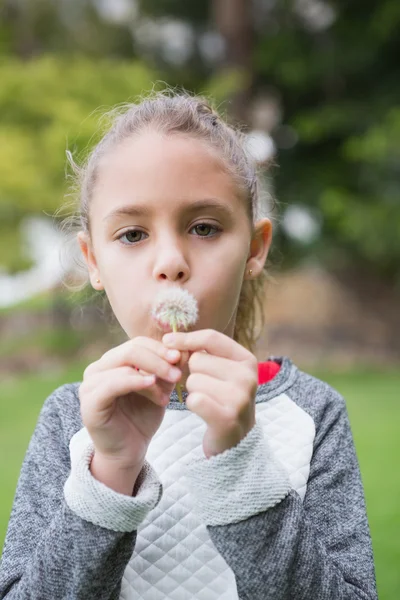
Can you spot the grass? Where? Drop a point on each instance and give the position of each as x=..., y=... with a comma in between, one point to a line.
x=20, y=404
x=374, y=411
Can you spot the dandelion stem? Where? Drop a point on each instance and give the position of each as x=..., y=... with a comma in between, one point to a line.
x=178, y=385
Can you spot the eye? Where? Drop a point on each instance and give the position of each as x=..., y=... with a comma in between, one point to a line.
x=133, y=236
x=204, y=228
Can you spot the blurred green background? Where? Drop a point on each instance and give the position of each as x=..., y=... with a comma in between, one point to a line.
x=314, y=85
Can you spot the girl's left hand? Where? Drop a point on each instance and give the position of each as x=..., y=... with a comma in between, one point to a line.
x=222, y=385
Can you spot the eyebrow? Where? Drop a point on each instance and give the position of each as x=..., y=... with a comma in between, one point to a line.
x=196, y=206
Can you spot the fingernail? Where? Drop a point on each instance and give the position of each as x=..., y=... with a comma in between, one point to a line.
x=172, y=354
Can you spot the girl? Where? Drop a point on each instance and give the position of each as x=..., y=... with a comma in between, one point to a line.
x=251, y=488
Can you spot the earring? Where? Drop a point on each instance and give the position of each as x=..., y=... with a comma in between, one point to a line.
x=250, y=271
x=97, y=280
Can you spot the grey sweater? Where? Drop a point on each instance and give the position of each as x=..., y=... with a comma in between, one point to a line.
x=69, y=537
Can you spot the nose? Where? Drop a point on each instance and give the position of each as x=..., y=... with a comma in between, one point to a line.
x=170, y=262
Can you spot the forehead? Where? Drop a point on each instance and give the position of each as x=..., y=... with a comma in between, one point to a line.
x=158, y=168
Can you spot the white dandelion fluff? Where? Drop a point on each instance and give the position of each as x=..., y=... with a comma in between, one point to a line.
x=175, y=308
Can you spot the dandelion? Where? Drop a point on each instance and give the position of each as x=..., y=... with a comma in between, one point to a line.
x=175, y=308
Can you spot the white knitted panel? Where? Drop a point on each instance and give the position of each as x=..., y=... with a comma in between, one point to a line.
x=174, y=557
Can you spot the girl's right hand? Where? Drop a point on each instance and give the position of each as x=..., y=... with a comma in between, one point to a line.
x=120, y=408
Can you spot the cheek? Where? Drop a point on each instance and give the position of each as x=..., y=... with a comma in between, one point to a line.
x=224, y=282
x=120, y=269
x=234, y=263
x=223, y=270
x=231, y=252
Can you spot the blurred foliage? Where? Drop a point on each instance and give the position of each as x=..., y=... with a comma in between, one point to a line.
x=340, y=95
x=193, y=12
x=336, y=84
x=48, y=105
x=63, y=343
x=30, y=28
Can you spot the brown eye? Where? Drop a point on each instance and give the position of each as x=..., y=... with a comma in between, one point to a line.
x=204, y=229
x=133, y=236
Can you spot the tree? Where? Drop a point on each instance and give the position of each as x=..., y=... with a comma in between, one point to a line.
x=330, y=69
x=333, y=69
x=47, y=106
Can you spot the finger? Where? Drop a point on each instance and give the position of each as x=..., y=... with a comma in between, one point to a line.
x=214, y=414
x=215, y=366
x=113, y=384
x=158, y=389
x=124, y=350
x=95, y=379
x=145, y=356
x=214, y=342
x=158, y=348
x=220, y=391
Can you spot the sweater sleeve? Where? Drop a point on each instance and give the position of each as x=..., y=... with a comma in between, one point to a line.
x=278, y=546
x=56, y=548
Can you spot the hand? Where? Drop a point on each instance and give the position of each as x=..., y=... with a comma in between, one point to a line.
x=222, y=385
x=120, y=409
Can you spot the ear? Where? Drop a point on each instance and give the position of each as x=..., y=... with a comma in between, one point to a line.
x=259, y=247
x=90, y=259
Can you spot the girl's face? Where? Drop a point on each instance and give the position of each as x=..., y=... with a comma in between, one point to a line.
x=164, y=212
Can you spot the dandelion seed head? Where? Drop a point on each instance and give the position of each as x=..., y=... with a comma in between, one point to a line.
x=175, y=306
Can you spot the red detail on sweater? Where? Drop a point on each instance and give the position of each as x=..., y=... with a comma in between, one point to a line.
x=267, y=371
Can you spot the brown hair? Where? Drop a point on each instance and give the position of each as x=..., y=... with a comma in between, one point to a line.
x=170, y=112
